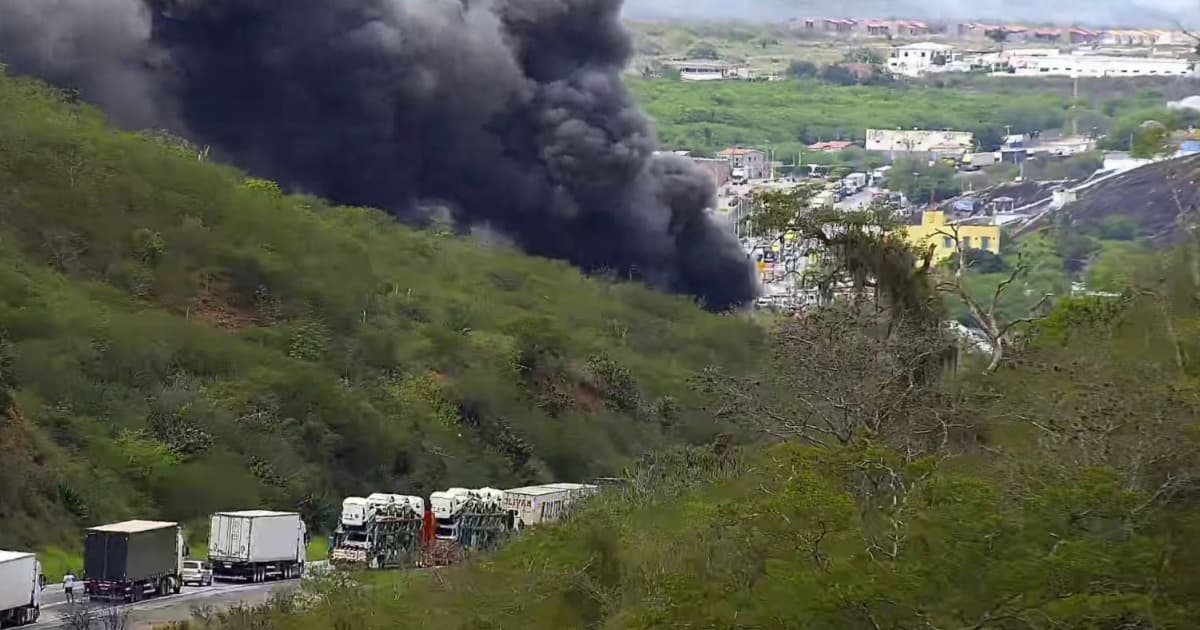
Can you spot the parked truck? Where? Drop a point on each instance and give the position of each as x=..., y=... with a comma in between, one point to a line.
x=21, y=584
x=257, y=545
x=132, y=560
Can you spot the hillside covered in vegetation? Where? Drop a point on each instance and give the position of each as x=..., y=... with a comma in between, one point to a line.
x=176, y=339
x=1059, y=491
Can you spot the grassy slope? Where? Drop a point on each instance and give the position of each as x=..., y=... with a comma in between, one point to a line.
x=175, y=339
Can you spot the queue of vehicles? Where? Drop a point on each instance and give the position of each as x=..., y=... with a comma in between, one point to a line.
x=135, y=560
x=391, y=531
x=138, y=559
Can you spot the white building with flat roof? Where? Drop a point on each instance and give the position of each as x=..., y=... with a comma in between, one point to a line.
x=1099, y=66
x=918, y=140
x=915, y=60
x=709, y=70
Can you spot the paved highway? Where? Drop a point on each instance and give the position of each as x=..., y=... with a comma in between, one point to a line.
x=857, y=201
x=56, y=613
x=159, y=610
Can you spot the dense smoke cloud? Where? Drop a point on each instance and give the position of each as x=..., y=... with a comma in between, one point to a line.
x=1110, y=13
x=510, y=112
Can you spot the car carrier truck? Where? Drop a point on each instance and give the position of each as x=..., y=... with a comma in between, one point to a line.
x=257, y=545
x=132, y=560
x=21, y=584
x=382, y=531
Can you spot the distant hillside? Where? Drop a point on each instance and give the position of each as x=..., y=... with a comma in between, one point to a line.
x=177, y=339
x=1160, y=198
x=1115, y=13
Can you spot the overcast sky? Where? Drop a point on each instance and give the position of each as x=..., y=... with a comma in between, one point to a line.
x=1094, y=12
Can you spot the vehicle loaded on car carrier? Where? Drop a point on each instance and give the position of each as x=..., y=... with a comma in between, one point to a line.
x=382, y=531
x=132, y=560
x=21, y=584
x=257, y=545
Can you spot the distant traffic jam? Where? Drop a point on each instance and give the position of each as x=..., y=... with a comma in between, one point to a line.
x=139, y=559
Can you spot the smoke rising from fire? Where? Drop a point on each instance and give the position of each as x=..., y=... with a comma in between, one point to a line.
x=510, y=112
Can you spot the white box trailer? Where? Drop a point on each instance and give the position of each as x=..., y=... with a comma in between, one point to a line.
x=21, y=583
x=536, y=504
x=256, y=545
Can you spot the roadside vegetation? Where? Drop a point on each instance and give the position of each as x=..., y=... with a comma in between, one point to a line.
x=178, y=339
x=905, y=489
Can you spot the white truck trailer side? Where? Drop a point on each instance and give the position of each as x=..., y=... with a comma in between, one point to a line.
x=256, y=545
x=21, y=583
x=536, y=504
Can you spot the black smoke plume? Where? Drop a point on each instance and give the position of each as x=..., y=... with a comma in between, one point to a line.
x=510, y=112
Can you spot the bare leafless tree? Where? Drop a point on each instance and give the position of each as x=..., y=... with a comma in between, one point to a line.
x=79, y=616
x=987, y=314
x=114, y=617
x=838, y=374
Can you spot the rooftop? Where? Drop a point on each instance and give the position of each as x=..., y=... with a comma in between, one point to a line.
x=836, y=145
x=700, y=64
x=934, y=46
x=256, y=513
x=133, y=527
x=6, y=556
x=738, y=151
x=534, y=491
x=571, y=486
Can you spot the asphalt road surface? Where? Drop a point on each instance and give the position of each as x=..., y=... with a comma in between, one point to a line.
x=56, y=613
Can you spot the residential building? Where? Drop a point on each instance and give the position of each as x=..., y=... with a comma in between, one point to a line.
x=937, y=231
x=897, y=28
x=915, y=60
x=1079, y=35
x=912, y=28
x=1045, y=35
x=720, y=170
x=1131, y=38
x=840, y=26
x=747, y=163
x=975, y=30
x=708, y=70
x=831, y=147
x=879, y=28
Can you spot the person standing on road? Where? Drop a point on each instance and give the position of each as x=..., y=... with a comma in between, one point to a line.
x=69, y=587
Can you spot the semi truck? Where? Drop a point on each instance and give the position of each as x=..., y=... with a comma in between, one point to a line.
x=257, y=545
x=547, y=503
x=132, y=560
x=381, y=531
x=21, y=584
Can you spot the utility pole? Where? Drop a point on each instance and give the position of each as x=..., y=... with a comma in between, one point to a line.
x=1075, y=106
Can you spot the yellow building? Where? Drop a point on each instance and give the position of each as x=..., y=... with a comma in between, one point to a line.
x=934, y=230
